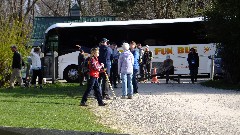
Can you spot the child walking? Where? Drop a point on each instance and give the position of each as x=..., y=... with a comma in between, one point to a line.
x=94, y=69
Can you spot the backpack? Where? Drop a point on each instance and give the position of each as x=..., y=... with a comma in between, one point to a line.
x=86, y=64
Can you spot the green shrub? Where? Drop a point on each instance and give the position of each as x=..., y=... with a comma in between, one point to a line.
x=11, y=32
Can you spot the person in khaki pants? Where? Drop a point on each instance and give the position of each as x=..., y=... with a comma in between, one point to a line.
x=17, y=64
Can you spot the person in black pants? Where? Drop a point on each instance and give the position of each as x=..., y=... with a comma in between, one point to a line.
x=105, y=53
x=135, y=53
x=147, y=58
x=193, y=61
x=114, y=65
x=36, y=67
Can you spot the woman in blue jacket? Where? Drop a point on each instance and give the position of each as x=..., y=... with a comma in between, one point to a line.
x=135, y=53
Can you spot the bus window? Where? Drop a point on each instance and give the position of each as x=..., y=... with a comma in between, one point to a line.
x=51, y=45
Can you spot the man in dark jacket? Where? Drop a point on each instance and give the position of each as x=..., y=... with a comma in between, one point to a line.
x=193, y=61
x=17, y=64
x=105, y=53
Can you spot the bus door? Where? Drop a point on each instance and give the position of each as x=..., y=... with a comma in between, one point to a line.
x=51, y=57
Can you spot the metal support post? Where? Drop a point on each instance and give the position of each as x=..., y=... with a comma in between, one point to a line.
x=212, y=67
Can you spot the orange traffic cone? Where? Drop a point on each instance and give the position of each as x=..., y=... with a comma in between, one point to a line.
x=154, y=78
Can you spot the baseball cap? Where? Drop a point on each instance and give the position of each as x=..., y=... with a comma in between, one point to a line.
x=104, y=40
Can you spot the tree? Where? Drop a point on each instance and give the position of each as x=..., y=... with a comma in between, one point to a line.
x=53, y=7
x=224, y=27
x=95, y=7
x=14, y=30
x=159, y=9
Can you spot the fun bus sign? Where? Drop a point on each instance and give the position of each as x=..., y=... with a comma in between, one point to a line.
x=180, y=50
x=179, y=54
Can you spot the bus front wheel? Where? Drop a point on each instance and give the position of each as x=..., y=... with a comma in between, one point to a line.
x=70, y=74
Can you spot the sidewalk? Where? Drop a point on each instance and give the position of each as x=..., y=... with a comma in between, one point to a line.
x=38, y=131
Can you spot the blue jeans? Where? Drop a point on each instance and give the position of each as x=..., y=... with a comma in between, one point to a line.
x=127, y=87
x=92, y=85
x=135, y=81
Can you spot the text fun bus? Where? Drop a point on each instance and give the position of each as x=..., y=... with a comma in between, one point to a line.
x=174, y=37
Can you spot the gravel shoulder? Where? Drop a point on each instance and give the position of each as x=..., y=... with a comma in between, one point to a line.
x=174, y=109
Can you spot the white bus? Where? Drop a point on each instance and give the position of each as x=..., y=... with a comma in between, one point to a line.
x=164, y=36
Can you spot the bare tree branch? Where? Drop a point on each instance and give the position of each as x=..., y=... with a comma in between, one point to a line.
x=55, y=12
x=30, y=8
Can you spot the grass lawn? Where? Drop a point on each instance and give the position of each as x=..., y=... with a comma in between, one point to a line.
x=221, y=84
x=54, y=107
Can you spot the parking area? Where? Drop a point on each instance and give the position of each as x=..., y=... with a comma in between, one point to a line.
x=174, y=108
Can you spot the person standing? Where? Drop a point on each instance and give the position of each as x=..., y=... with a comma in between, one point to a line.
x=147, y=58
x=17, y=64
x=141, y=65
x=125, y=67
x=94, y=69
x=193, y=61
x=168, y=66
x=105, y=53
x=81, y=61
x=114, y=65
x=135, y=66
x=36, y=67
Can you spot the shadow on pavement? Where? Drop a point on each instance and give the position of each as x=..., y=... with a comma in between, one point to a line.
x=38, y=131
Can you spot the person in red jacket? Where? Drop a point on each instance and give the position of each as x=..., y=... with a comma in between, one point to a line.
x=94, y=68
